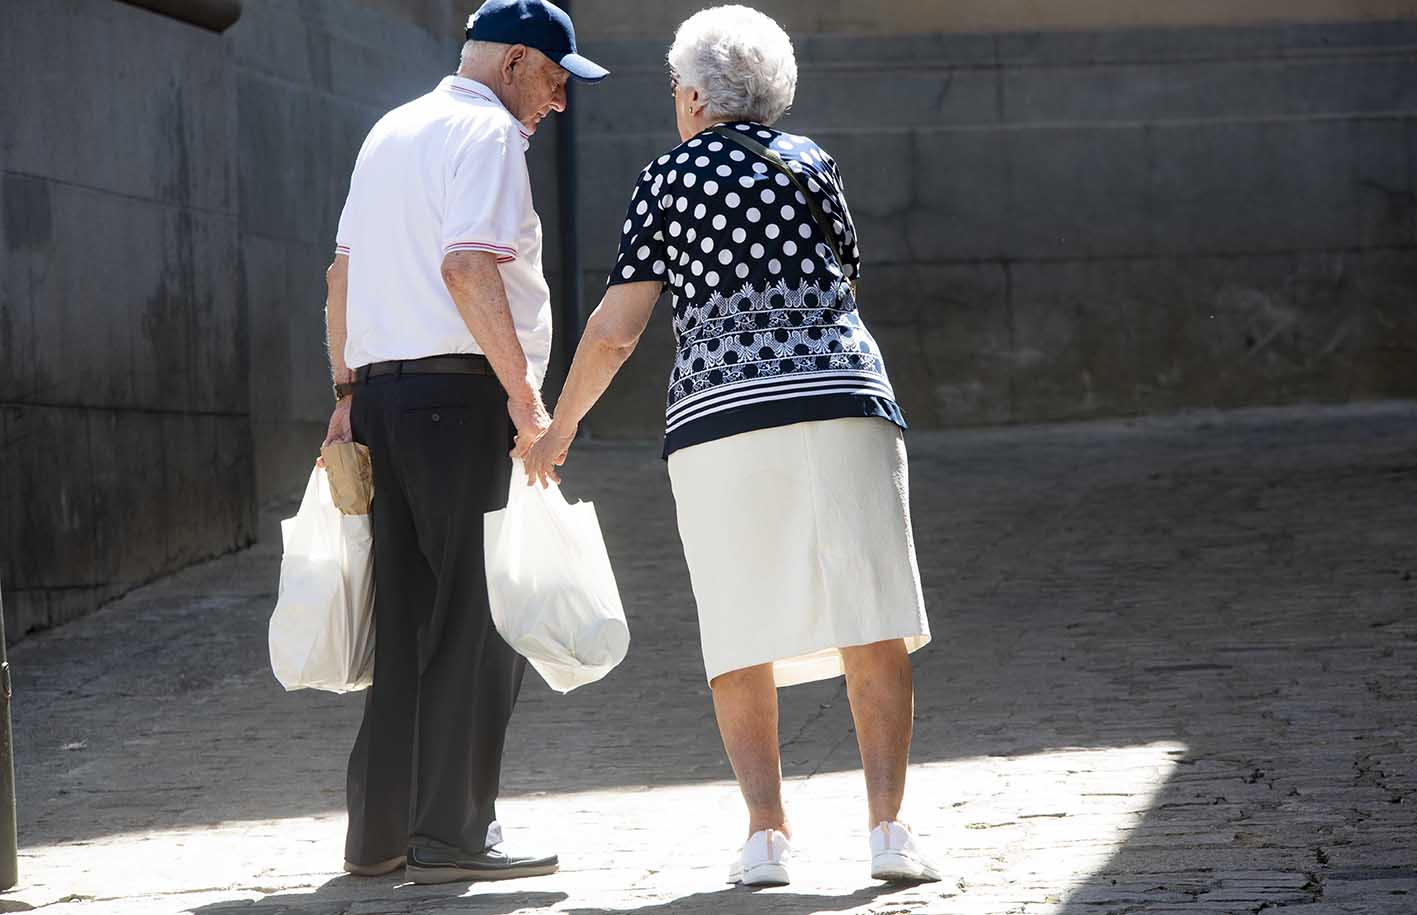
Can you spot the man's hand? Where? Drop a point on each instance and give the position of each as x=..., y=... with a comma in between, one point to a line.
x=339, y=430
x=529, y=415
x=548, y=453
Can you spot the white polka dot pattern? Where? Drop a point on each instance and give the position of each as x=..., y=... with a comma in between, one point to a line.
x=759, y=294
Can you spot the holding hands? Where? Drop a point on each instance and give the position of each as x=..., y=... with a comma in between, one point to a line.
x=548, y=453
x=529, y=415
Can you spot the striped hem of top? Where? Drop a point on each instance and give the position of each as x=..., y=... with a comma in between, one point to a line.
x=690, y=401
x=504, y=253
x=777, y=388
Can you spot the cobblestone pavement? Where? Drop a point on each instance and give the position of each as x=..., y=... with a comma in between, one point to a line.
x=1175, y=671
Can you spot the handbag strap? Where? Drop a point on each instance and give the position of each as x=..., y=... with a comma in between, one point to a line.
x=772, y=157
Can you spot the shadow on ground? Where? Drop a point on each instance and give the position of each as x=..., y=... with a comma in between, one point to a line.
x=455, y=899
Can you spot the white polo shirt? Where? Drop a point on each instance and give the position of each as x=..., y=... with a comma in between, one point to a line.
x=445, y=172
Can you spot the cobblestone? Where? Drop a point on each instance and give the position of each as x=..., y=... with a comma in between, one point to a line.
x=1173, y=674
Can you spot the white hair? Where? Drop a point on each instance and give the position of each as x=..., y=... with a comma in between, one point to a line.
x=740, y=60
x=476, y=52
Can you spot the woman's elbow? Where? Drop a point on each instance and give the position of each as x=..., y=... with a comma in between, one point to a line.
x=609, y=337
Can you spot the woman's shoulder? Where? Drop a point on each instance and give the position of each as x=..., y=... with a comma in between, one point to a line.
x=685, y=154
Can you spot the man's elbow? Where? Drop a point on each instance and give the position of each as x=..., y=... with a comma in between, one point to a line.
x=462, y=270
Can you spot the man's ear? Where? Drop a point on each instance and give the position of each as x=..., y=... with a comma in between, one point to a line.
x=515, y=57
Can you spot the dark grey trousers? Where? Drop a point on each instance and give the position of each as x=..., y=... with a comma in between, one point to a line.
x=426, y=765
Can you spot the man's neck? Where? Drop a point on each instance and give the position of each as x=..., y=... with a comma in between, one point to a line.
x=487, y=79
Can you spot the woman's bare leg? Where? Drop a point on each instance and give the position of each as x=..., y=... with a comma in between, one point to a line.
x=745, y=702
x=882, y=694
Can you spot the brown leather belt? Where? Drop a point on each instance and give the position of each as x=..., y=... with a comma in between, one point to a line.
x=461, y=364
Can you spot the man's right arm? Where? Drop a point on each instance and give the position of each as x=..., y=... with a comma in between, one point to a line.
x=475, y=284
x=336, y=301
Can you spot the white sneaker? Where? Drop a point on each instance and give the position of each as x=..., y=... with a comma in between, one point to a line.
x=763, y=860
x=896, y=857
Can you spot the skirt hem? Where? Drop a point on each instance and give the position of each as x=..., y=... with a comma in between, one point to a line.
x=823, y=663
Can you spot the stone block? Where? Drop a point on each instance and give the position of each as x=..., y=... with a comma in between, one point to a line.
x=1071, y=94
x=1226, y=88
x=24, y=227
x=1263, y=186
x=1365, y=83
x=1076, y=192
x=269, y=305
x=296, y=152
x=882, y=175
x=924, y=48
x=273, y=38
x=134, y=104
x=285, y=453
x=153, y=306
x=1382, y=171
x=850, y=95
x=944, y=329
x=609, y=167
x=960, y=206
x=1147, y=334
x=133, y=520
x=387, y=67
x=47, y=492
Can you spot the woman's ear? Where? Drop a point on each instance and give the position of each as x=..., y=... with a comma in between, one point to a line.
x=697, y=103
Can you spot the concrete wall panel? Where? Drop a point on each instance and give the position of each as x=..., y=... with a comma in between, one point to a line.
x=148, y=292
x=126, y=449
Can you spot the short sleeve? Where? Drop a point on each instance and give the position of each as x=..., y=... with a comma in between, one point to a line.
x=838, y=214
x=342, y=236
x=642, y=247
x=487, y=198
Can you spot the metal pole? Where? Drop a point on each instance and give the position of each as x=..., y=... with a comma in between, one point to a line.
x=9, y=841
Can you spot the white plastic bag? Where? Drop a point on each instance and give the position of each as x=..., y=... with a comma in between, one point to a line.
x=322, y=630
x=550, y=585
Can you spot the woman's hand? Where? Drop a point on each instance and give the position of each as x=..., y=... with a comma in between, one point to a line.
x=548, y=453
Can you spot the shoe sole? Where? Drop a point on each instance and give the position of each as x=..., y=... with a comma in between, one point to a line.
x=375, y=870
x=433, y=875
x=897, y=868
x=763, y=875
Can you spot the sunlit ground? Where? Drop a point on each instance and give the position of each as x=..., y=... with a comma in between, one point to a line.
x=1012, y=834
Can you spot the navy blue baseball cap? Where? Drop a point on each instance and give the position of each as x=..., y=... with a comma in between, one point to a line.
x=536, y=24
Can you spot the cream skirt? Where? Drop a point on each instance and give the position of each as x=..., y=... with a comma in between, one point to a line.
x=798, y=542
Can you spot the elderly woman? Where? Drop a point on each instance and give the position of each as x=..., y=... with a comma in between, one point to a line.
x=782, y=434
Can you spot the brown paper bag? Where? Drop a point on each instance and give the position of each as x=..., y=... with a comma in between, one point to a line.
x=351, y=476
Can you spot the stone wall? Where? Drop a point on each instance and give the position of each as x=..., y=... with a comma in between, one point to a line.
x=125, y=447
x=1071, y=224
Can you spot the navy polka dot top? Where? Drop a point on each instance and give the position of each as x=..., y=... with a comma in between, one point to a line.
x=764, y=312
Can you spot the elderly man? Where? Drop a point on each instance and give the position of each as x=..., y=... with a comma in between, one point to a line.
x=439, y=333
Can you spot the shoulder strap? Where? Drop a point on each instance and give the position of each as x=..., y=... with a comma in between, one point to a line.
x=772, y=157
